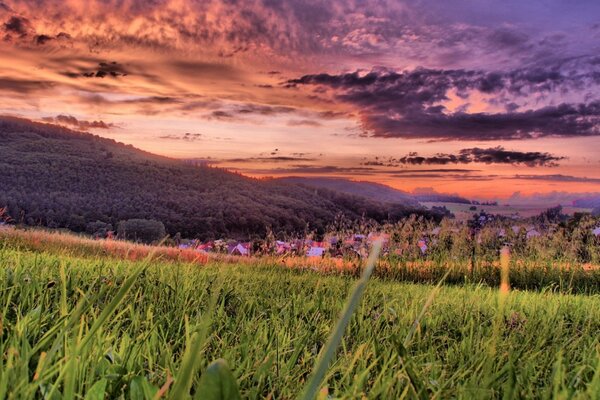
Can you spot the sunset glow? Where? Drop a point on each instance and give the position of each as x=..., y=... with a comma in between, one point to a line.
x=482, y=100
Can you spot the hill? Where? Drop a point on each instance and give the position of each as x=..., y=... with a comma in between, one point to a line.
x=370, y=190
x=440, y=198
x=588, y=202
x=56, y=177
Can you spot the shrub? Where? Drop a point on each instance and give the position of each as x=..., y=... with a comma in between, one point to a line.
x=141, y=230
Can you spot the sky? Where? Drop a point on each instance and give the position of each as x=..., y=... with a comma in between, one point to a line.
x=480, y=98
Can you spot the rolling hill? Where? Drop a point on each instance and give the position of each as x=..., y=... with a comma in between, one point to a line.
x=375, y=191
x=60, y=178
x=370, y=190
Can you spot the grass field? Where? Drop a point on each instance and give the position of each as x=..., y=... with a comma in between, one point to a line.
x=76, y=325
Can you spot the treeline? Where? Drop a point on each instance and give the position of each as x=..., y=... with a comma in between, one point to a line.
x=54, y=177
x=440, y=198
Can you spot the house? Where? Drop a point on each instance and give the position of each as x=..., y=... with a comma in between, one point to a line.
x=205, y=248
x=596, y=232
x=533, y=233
x=423, y=246
x=240, y=249
x=315, y=251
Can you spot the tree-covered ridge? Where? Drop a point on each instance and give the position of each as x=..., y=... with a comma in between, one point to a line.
x=56, y=177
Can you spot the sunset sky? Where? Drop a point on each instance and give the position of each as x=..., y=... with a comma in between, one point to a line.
x=482, y=98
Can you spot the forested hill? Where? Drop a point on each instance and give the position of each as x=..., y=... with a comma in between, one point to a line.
x=56, y=177
x=370, y=190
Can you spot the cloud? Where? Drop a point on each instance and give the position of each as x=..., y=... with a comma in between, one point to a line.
x=77, y=123
x=188, y=136
x=412, y=104
x=18, y=26
x=245, y=111
x=24, y=86
x=270, y=159
x=558, y=178
x=304, y=122
x=313, y=169
x=443, y=176
x=21, y=30
x=425, y=171
x=493, y=155
x=104, y=69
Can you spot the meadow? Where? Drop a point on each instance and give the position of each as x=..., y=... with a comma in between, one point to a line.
x=79, y=324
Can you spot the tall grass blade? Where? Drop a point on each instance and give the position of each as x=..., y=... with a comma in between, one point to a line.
x=334, y=340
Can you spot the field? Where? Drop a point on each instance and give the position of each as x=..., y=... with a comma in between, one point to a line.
x=110, y=327
x=462, y=211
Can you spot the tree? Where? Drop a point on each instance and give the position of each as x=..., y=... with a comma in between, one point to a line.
x=98, y=228
x=141, y=230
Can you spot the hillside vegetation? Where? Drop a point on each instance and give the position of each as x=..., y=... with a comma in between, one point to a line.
x=59, y=178
x=370, y=190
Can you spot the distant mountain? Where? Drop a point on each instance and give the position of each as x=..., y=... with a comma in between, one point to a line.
x=588, y=202
x=440, y=198
x=56, y=177
x=376, y=191
x=369, y=190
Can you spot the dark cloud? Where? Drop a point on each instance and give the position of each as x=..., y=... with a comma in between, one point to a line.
x=428, y=171
x=199, y=70
x=188, y=136
x=42, y=39
x=332, y=114
x=493, y=155
x=112, y=69
x=221, y=115
x=77, y=123
x=101, y=70
x=20, y=30
x=558, y=178
x=315, y=169
x=506, y=37
x=271, y=159
x=21, y=86
x=457, y=177
x=409, y=104
x=240, y=112
x=304, y=122
x=18, y=26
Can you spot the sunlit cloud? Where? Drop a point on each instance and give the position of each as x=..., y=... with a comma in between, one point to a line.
x=366, y=83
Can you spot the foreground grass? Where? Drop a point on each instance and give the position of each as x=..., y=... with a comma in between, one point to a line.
x=525, y=274
x=57, y=339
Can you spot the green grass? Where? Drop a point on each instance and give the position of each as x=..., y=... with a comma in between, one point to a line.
x=73, y=323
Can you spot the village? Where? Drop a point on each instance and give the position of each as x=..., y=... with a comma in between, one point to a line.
x=357, y=245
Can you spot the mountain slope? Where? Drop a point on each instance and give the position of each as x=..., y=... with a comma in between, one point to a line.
x=56, y=177
x=369, y=190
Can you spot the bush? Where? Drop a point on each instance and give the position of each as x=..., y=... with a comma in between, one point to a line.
x=98, y=229
x=141, y=230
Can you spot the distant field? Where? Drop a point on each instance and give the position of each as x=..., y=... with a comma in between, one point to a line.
x=71, y=322
x=462, y=212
